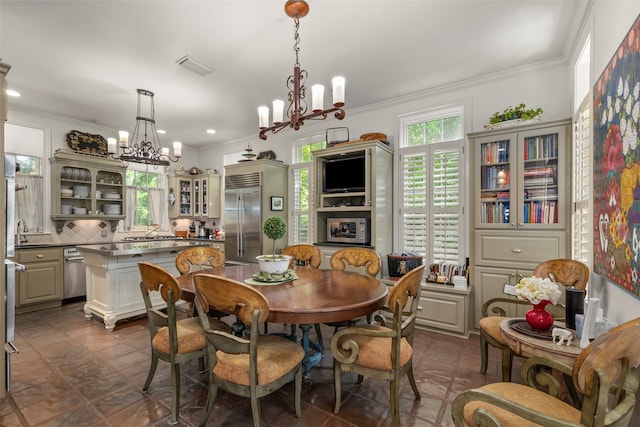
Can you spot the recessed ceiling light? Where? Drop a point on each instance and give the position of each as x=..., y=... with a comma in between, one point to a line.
x=161, y=131
x=13, y=93
x=211, y=131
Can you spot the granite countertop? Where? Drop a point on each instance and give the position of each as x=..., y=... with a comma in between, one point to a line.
x=140, y=247
x=72, y=244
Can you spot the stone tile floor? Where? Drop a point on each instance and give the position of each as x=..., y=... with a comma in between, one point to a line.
x=72, y=372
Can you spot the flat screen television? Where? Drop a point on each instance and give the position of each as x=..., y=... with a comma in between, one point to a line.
x=343, y=175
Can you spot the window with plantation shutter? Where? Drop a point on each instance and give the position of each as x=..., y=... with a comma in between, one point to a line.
x=581, y=230
x=300, y=190
x=431, y=193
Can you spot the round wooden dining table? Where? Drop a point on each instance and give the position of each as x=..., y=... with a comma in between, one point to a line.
x=315, y=296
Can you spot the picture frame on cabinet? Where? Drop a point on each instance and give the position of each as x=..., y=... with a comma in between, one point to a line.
x=277, y=203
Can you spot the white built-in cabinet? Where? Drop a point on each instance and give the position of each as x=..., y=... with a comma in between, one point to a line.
x=520, y=204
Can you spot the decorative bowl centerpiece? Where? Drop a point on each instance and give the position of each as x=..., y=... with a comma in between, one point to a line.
x=274, y=228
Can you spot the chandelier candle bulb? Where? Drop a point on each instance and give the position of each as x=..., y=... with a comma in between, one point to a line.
x=164, y=153
x=263, y=117
x=317, y=93
x=111, y=145
x=123, y=138
x=338, y=83
x=278, y=111
x=177, y=149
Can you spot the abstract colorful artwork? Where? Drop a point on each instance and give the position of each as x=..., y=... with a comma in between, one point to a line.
x=616, y=198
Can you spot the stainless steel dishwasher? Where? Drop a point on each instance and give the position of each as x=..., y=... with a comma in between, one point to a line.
x=75, y=284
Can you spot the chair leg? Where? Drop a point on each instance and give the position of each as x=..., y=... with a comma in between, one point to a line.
x=298, y=392
x=152, y=371
x=211, y=399
x=507, y=363
x=394, y=402
x=175, y=392
x=484, y=353
x=255, y=407
x=337, y=387
x=319, y=337
x=412, y=382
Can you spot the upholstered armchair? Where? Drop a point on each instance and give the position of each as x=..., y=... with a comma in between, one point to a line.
x=174, y=341
x=382, y=352
x=606, y=375
x=566, y=272
x=251, y=366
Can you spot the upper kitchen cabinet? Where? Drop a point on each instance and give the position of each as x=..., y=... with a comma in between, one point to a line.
x=521, y=179
x=196, y=195
x=86, y=187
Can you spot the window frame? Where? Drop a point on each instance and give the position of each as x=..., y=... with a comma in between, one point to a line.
x=132, y=209
x=428, y=149
x=297, y=166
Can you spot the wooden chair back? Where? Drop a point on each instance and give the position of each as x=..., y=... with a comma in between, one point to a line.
x=357, y=257
x=231, y=297
x=308, y=255
x=610, y=363
x=568, y=272
x=156, y=278
x=407, y=287
x=200, y=256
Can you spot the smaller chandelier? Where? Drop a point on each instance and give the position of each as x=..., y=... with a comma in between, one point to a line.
x=297, y=109
x=146, y=148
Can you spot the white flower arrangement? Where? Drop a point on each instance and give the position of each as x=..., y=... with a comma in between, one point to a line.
x=535, y=289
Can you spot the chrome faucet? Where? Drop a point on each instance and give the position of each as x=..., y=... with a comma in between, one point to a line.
x=21, y=227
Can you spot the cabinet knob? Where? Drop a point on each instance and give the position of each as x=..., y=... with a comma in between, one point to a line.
x=39, y=256
x=516, y=251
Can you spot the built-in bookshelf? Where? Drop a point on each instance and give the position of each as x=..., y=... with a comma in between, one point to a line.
x=521, y=179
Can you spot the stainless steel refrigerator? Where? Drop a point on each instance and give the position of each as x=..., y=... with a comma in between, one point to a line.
x=242, y=219
x=10, y=266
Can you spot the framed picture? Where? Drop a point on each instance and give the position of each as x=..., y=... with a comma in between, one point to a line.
x=277, y=203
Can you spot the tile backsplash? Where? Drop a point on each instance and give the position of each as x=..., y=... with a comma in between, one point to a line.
x=91, y=231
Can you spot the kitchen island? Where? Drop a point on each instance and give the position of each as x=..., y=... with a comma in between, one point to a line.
x=113, y=278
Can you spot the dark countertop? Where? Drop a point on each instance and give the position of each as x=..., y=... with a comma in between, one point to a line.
x=140, y=247
x=69, y=244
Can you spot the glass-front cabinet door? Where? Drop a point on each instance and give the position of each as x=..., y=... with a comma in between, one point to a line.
x=538, y=161
x=495, y=156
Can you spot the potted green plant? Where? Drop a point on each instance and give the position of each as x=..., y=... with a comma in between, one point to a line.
x=519, y=112
x=274, y=228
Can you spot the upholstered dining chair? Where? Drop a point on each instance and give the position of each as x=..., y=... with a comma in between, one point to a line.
x=303, y=254
x=174, y=341
x=566, y=272
x=364, y=260
x=606, y=375
x=252, y=366
x=199, y=256
x=382, y=352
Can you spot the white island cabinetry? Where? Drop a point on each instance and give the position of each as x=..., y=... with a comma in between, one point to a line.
x=113, y=278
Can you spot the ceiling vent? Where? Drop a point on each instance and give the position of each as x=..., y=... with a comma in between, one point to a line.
x=193, y=65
